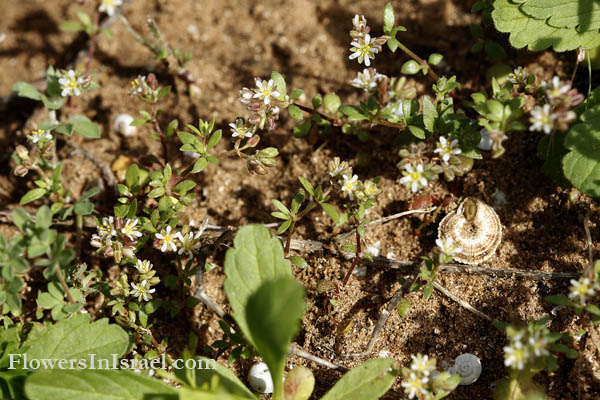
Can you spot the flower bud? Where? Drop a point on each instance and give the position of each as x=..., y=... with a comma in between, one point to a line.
x=22, y=152
x=20, y=170
x=152, y=81
x=253, y=141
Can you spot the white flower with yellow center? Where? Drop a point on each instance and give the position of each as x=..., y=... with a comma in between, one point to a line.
x=71, y=84
x=369, y=188
x=129, y=229
x=188, y=243
x=448, y=247
x=168, y=239
x=581, y=290
x=422, y=365
x=516, y=355
x=265, y=91
x=542, y=119
x=415, y=385
x=414, y=177
x=539, y=344
x=364, y=49
x=107, y=227
x=241, y=128
x=109, y=6
x=349, y=185
x=143, y=267
x=39, y=135
x=447, y=149
x=142, y=291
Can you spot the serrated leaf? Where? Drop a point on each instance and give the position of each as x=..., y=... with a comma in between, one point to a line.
x=76, y=338
x=537, y=34
x=581, y=165
x=95, y=385
x=369, y=381
x=255, y=258
x=273, y=314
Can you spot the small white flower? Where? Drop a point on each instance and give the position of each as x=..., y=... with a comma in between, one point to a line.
x=241, y=128
x=129, y=229
x=167, y=239
x=264, y=91
x=39, y=135
x=518, y=75
x=359, y=22
x=109, y=6
x=422, y=365
x=414, y=177
x=246, y=95
x=364, y=48
x=187, y=244
x=542, y=119
x=448, y=247
x=415, y=385
x=538, y=344
x=516, y=355
x=142, y=291
x=143, y=266
x=556, y=89
x=71, y=84
x=374, y=249
x=349, y=185
x=447, y=149
x=367, y=80
x=581, y=290
x=107, y=227
x=369, y=188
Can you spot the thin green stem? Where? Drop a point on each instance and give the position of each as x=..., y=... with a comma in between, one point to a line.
x=418, y=59
x=63, y=283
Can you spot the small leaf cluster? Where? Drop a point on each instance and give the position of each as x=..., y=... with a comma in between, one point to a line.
x=200, y=141
x=492, y=48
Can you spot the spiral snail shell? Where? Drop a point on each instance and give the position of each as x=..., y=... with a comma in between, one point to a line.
x=468, y=367
x=475, y=228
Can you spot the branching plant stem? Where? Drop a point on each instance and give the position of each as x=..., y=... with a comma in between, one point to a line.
x=418, y=59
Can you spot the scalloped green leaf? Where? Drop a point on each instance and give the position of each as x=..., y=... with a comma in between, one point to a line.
x=536, y=34
x=581, y=165
x=369, y=381
x=255, y=258
x=581, y=14
x=95, y=385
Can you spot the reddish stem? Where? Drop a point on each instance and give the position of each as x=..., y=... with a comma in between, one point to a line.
x=356, y=259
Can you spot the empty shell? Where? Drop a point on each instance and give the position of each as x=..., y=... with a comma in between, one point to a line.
x=475, y=228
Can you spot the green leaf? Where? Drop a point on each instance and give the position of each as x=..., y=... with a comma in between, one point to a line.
x=43, y=217
x=280, y=206
x=353, y=113
x=163, y=92
x=284, y=226
x=32, y=195
x=184, y=186
x=273, y=315
x=95, y=385
x=227, y=379
x=525, y=22
x=214, y=139
x=435, y=58
x=369, y=381
x=279, y=82
x=581, y=165
x=255, y=258
x=559, y=299
x=84, y=18
x=85, y=127
x=388, y=18
x=76, y=339
x=295, y=94
x=199, y=165
x=25, y=89
x=303, y=129
x=307, y=185
x=71, y=26
x=403, y=307
x=299, y=262
x=20, y=217
x=430, y=114
x=195, y=394
x=138, y=122
x=295, y=112
x=332, y=102
x=417, y=131
x=494, y=50
x=83, y=208
x=331, y=211
x=410, y=67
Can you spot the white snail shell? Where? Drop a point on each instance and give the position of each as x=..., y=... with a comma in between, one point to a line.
x=260, y=378
x=122, y=125
x=468, y=367
x=475, y=228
